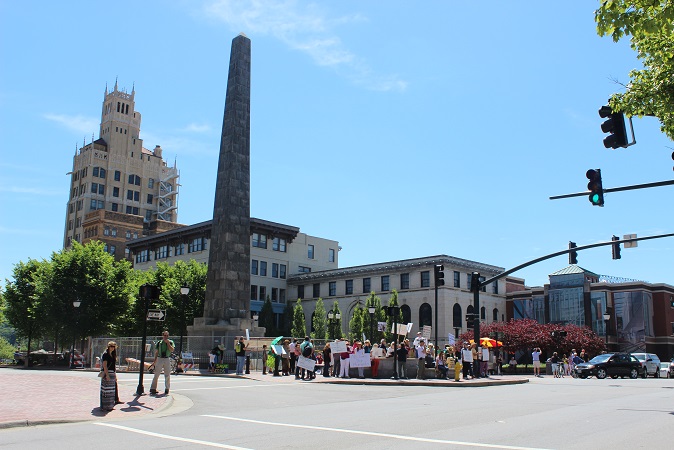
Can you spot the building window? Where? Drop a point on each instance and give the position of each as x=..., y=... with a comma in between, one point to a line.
x=425, y=315
x=134, y=210
x=282, y=295
x=253, y=292
x=161, y=252
x=259, y=240
x=148, y=215
x=179, y=249
x=279, y=245
x=303, y=269
x=494, y=287
x=483, y=313
x=115, y=192
x=196, y=245
x=274, y=294
x=143, y=256
x=274, y=270
x=253, y=266
x=332, y=288
x=457, y=279
x=113, y=232
x=425, y=279
x=456, y=315
x=484, y=288
x=150, y=197
x=263, y=293
x=263, y=268
x=150, y=183
x=300, y=291
x=282, y=271
x=114, y=207
x=404, y=281
x=367, y=285
x=331, y=255
x=468, y=282
x=96, y=204
x=98, y=188
x=118, y=175
x=494, y=315
x=310, y=253
x=385, y=283
x=106, y=231
x=134, y=179
x=348, y=287
x=317, y=290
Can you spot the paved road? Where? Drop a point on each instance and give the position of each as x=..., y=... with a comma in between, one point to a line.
x=268, y=413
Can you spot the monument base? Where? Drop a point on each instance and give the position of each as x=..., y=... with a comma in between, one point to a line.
x=206, y=333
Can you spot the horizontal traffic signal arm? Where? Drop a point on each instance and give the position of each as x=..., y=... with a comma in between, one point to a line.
x=622, y=188
x=564, y=252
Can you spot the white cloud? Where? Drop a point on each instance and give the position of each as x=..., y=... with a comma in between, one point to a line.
x=197, y=128
x=80, y=124
x=306, y=28
x=31, y=191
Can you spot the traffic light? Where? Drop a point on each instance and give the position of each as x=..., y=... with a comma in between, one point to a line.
x=615, y=248
x=615, y=126
x=573, y=256
x=439, y=275
x=595, y=187
x=474, y=281
x=470, y=320
x=672, y=158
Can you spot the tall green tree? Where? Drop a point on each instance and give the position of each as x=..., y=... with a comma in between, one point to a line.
x=287, y=320
x=90, y=275
x=393, y=301
x=356, y=324
x=650, y=25
x=319, y=321
x=266, y=319
x=23, y=297
x=299, y=329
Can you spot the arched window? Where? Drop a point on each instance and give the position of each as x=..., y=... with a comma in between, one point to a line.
x=470, y=309
x=483, y=313
x=407, y=313
x=495, y=314
x=425, y=315
x=457, y=320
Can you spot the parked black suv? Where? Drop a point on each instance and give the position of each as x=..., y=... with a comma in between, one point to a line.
x=611, y=364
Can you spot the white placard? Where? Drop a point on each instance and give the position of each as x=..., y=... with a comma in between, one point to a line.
x=359, y=359
x=451, y=340
x=278, y=349
x=338, y=347
x=409, y=327
x=381, y=326
x=306, y=363
x=426, y=332
x=247, y=335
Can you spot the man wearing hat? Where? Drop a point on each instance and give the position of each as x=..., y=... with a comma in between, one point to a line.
x=162, y=362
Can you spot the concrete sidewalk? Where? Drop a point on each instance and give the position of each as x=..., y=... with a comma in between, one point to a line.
x=35, y=397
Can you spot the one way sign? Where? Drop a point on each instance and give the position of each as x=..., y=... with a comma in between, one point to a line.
x=156, y=314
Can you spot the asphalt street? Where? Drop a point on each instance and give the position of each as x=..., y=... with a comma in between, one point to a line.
x=264, y=413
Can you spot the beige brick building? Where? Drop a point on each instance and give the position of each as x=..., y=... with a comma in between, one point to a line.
x=119, y=190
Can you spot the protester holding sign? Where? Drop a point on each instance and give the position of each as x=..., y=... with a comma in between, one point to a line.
x=344, y=362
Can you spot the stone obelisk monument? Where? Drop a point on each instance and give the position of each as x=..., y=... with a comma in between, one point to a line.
x=227, y=303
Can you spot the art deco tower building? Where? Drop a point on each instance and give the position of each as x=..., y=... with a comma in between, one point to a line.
x=119, y=190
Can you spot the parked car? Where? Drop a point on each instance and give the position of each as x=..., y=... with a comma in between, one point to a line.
x=664, y=369
x=610, y=364
x=651, y=362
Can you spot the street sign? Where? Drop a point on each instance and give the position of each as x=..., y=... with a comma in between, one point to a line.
x=156, y=314
x=630, y=244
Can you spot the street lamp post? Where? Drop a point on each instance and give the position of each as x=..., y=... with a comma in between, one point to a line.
x=607, y=318
x=184, y=291
x=76, y=305
x=394, y=311
x=333, y=317
x=371, y=310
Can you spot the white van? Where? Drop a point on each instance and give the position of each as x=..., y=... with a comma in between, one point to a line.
x=650, y=362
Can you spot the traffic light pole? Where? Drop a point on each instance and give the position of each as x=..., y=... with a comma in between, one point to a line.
x=622, y=188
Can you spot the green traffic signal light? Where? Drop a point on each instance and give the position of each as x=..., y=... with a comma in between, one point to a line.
x=595, y=187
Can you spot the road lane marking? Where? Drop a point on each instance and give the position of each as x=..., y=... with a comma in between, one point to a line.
x=173, y=438
x=242, y=386
x=371, y=433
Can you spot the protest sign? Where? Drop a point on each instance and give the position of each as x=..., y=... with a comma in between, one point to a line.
x=338, y=346
x=359, y=359
x=306, y=363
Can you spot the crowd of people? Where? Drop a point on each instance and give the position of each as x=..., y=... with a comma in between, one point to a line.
x=475, y=361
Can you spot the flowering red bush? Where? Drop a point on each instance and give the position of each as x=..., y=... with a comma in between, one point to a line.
x=525, y=334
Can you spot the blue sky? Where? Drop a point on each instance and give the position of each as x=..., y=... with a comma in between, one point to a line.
x=400, y=129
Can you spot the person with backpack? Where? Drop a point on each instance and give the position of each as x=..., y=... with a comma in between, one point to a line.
x=162, y=362
x=306, y=350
